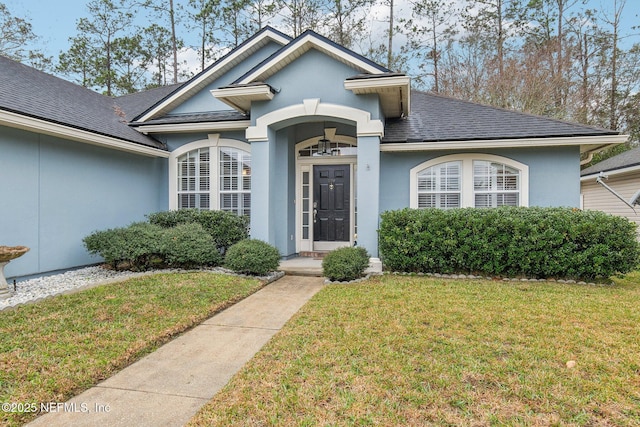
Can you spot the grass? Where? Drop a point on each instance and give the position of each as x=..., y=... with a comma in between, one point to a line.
x=54, y=349
x=418, y=351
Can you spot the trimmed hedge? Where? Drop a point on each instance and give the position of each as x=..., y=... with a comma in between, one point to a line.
x=345, y=264
x=226, y=228
x=508, y=241
x=252, y=256
x=143, y=246
x=188, y=245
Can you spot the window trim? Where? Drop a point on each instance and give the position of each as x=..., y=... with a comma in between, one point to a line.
x=466, y=176
x=214, y=142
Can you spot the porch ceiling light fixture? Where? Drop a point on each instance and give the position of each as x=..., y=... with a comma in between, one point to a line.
x=324, y=145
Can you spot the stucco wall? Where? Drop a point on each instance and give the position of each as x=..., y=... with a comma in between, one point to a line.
x=204, y=101
x=554, y=174
x=314, y=75
x=55, y=192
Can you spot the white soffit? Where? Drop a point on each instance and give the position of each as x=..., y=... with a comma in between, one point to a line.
x=394, y=92
x=233, y=58
x=240, y=97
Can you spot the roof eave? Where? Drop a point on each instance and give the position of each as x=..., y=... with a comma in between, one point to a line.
x=586, y=143
x=612, y=172
x=394, y=92
x=31, y=124
x=241, y=97
x=229, y=125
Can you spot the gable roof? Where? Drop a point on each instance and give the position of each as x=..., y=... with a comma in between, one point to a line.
x=213, y=72
x=436, y=118
x=298, y=46
x=33, y=100
x=627, y=160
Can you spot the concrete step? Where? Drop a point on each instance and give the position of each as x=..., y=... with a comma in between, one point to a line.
x=302, y=266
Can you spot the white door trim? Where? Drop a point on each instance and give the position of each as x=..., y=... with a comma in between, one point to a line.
x=305, y=164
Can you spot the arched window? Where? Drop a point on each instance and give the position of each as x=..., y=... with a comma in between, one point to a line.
x=211, y=174
x=439, y=186
x=469, y=180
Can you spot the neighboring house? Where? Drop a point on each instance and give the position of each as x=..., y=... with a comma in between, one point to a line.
x=309, y=139
x=622, y=176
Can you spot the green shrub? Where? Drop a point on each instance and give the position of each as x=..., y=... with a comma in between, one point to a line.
x=345, y=264
x=188, y=245
x=143, y=246
x=252, y=256
x=226, y=228
x=138, y=246
x=508, y=241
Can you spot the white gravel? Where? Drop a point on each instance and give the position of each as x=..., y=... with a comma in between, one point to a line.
x=46, y=286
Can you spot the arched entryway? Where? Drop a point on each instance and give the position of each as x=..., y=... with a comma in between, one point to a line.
x=290, y=173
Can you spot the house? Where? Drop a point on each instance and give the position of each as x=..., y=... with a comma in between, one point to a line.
x=622, y=175
x=309, y=139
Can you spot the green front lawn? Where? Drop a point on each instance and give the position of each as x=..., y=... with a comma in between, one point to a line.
x=418, y=351
x=52, y=350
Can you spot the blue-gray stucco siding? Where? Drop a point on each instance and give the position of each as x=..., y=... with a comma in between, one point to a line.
x=554, y=174
x=55, y=192
x=204, y=101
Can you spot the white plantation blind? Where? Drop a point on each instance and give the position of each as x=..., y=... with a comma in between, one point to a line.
x=194, y=171
x=235, y=181
x=439, y=186
x=214, y=178
x=495, y=184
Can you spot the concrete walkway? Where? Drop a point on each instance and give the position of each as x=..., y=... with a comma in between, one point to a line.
x=167, y=387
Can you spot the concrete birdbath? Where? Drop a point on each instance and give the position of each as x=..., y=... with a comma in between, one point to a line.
x=7, y=253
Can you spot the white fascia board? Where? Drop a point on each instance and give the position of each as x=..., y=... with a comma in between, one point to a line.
x=377, y=83
x=233, y=57
x=504, y=143
x=300, y=44
x=65, y=132
x=195, y=127
x=259, y=92
x=614, y=172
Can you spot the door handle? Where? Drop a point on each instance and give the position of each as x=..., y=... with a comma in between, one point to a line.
x=315, y=214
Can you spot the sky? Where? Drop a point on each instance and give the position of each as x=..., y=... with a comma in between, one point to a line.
x=54, y=21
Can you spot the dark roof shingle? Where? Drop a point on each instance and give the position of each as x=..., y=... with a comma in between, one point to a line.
x=30, y=92
x=440, y=118
x=137, y=103
x=622, y=160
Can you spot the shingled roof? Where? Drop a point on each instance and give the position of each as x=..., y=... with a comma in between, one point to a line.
x=137, y=103
x=440, y=118
x=623, y=160
x=32, y=93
